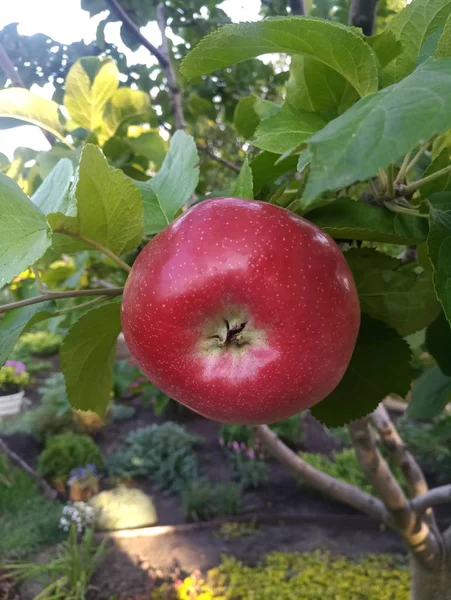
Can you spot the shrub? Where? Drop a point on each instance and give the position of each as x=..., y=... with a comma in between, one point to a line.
x=122, y=412
x=345, y=466
x=236, y=433
x=307, y=576
x=162, y=452
x=38, y=343
x=123, y=508
x=65, y=452
x=27, y=519
x=247, y=467
x=202, y=500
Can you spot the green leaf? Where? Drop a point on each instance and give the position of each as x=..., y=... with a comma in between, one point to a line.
x=106, y=203
x=412, y=26
x=151, y=145
x=444, y=43
x=349, y=219
x=90, y=83
x=429, y=47
x=439, y=247
x=379, y=130
x=244, y=185
x=315, y=86
x=15, y=321
x=87, y=357
x=430, y=395
x=124, y=105
x=245, y=119
x=286, y=129
x=172, y=186
x=391, y=292
x=385, y=46
x=379, y=349
x=438, y=342
x=267, y=167
x=24, y=233
x=27, y=106
x=339, y=47
x=52, y=194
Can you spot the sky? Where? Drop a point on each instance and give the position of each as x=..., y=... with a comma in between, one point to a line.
x=65, y=22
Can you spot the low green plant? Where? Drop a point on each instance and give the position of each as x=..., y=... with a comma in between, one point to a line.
x=307, y=576
x=123, y=508
x=39, y=366
x=65, y=452
x=236, y=530
x=122, y=412
x=67, y=576
x=203, y=500
x=289, y=430
x=38, y=343
x=236, y=433
x=27, y=519
x=247, y=468
x=345, y=466
x=53, y=416
x=162, y=452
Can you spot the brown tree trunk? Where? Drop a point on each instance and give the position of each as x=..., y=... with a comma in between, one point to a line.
x=362, y=13
x=430, y=583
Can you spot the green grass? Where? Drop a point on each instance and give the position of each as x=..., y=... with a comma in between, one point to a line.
x=27, y=519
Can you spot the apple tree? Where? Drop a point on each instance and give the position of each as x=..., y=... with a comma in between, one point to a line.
x=355, y=145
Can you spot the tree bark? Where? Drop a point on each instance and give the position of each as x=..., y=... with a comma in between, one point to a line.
x=362, y=13
x=430, y=584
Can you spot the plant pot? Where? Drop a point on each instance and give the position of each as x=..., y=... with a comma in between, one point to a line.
x=83, y=493
x=11, y=404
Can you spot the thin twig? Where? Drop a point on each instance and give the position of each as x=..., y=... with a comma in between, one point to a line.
x=134, y=29
x=219, y=159
x=60, y=296
x=174, y=90
x=114, y=257
x=48, y=491
x=403, y=169
x=7, y=66
x=341, y=491
x=69, y=309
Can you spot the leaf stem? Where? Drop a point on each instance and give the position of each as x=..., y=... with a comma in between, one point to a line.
x=404, y=211
x=390, y=187
x=39, y=284
x=417, y=157
x=60, y=295
x=100, y=248
x=403, y=169
x=412, y=187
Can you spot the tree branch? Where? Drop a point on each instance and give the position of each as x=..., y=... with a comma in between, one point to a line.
x=61, y=295
x=174, y=90
x=7, y=66
x=339, y=490
x=398, y=450
x=219, y=159
x=116, y=8
x=48, y=491
x=422, y=542
x=438, y=495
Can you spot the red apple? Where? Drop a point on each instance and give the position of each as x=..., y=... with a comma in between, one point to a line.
x=242, y=311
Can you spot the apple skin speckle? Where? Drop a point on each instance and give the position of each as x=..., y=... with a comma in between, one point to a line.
x=224, y=262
